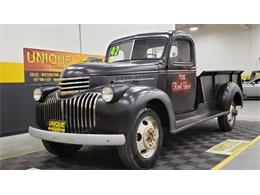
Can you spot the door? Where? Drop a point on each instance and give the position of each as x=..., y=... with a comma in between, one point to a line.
x=181, y=75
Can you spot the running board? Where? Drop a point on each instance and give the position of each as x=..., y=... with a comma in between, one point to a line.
x=195, y=120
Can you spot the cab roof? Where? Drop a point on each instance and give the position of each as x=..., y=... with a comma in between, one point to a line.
x=168, y=33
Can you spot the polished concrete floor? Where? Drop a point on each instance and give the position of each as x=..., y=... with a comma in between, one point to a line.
x=24, y=144
x=250, y=111
x=17, y=145
x=249, y=158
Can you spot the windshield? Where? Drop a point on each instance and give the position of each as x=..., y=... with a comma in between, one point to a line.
x=138, y=49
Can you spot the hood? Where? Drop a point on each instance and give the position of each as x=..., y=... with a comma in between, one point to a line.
x=85, y=69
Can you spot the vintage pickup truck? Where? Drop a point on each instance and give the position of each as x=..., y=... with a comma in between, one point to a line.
x=146, y=89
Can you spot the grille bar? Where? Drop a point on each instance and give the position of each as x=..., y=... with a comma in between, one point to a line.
x=74, y=87
x=70, y=113
x=78, y=112
x=74, y=84
x=73, y=78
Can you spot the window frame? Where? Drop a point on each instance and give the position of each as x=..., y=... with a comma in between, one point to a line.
x=182, y=64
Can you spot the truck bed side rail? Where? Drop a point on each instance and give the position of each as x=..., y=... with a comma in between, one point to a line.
x=210, y=81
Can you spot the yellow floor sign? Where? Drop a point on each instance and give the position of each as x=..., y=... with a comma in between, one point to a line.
x=227, y=147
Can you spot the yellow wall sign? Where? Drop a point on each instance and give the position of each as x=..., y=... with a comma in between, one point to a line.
x=11, y=72
x=44, y=66
x=41, y=66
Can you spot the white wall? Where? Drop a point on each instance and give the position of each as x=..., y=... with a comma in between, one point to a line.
x=224, y=47
x=255, y=47
x=13, y=38
x=218, y=46
x=95, y=38
x=65, y=37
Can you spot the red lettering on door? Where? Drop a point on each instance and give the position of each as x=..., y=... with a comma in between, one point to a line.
x=181, y=85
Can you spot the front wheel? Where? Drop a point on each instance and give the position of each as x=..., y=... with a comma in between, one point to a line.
x=227, y=122
x=143, y=141
x=60, y=149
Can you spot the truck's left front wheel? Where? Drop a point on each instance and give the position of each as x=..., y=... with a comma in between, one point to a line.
x=143, y=141
x=60, y=149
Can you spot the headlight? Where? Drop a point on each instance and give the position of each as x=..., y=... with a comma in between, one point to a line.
x=107, y=94
x=37, y=94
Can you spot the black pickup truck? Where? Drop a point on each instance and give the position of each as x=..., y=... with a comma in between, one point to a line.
x=146, y=89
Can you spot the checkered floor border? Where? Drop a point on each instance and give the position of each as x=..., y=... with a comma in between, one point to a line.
x=183, y=151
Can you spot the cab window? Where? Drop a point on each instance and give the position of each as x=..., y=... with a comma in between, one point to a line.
x=155, y=52
x=180, y=52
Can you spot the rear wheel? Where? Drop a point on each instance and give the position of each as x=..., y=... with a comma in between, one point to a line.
x=60, y=149
x=227, y=122
x=143, y=142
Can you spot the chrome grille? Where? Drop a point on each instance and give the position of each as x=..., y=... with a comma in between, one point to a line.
x=78, y=112
x=74, y=84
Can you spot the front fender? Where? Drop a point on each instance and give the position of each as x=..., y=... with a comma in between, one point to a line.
x=227, y=93
x=120, y=116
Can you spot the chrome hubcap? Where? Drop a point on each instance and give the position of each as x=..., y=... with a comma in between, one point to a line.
x=147, y=137
x=232, y=114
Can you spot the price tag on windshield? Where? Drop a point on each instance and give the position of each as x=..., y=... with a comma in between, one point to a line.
x=114, y=51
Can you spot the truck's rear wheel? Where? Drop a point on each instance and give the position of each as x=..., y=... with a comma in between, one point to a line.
x=143, y=142
x=227, y=122
x=60, y=149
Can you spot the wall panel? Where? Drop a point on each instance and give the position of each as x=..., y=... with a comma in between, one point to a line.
x=96, y=37
x=223, y=47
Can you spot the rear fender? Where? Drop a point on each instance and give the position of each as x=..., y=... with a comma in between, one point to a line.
x=227, y=93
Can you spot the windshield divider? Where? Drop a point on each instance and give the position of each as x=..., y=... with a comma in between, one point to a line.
x=130, y=57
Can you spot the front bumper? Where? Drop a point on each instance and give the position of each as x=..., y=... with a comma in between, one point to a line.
x=79, y=139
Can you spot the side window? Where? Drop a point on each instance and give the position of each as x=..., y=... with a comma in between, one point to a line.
x=180, y=52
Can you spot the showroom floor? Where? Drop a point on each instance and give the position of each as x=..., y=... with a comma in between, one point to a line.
x=186, y=150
